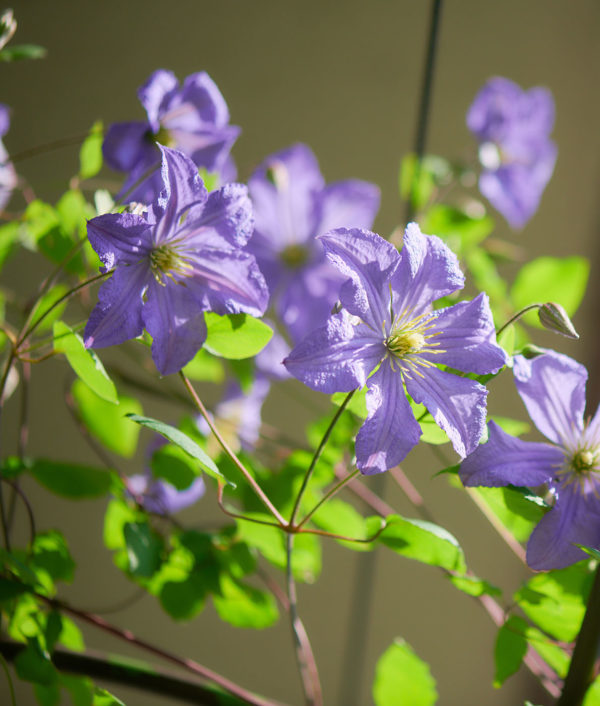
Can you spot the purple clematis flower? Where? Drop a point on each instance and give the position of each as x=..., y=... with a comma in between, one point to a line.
x=552, y=386
x=183, y=258
x=192, y=118
x=513, y=128
x=388, y=337
x=292, y=205
x=8, y=175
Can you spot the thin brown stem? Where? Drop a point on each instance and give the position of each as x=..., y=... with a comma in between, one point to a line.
x=225, y=446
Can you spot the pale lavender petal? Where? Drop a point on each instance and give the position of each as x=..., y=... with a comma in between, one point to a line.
x=489, y=116
x=337, y=357
x=175, y=321
x=348, y=204
x=208, y=148
x=125, y=145
x=575, y=519
x=243, y=410
x=227, y=282
x=458, y=405
x=118, y=315
x=390, y=430
x=8, y=177
x=209, y=107
x=4, y=119
x=552, y=386
x=184, y=193
x=156, y=93
x=161, y=497
x=283, y=190
x=428, y=270
x=306, y=302
x=465, y=338
x=368, y=260
x=506, y=460
x=227, y=213
x=269, y=362
x=120, y=238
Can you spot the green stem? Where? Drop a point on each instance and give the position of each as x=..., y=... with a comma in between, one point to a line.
x=11, y=688
x=317, y=455
x=225, y=446
x=336, y=488
x=581, y=669
x=516, y=317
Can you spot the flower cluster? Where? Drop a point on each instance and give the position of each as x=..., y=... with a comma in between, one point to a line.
x=513, y=128
x=192, y=118
x=388, y=337
x=552, y=386
x=8, y=175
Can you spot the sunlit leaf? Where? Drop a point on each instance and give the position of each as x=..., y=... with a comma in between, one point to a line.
x=403, y=678
x=235, y=336
x=90, y=153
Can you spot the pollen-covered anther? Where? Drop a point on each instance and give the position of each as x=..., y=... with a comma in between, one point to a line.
x=405, y=343
x=583, y=461
x=165, y=261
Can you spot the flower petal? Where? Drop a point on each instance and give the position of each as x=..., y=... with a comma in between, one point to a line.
x=428, y=270
x=125, y=145
x=118, y=315
x=175, y=321
x=575, y=519
x=120, y=238
x=390, y=430
x=208, y=107
x=283, y=190
x=184, y=194
x=337, y=357
x=457, y=405
x=552, y=386
x=227, y=282
x=465, y=338
x=505, y=460
x=368, y=260
x=348, y=204
x=156, y=94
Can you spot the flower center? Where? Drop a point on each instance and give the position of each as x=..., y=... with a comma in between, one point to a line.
x=404, y=343
x=294, y=256
x=165, y=261
x=583, y=462
x=164, y=137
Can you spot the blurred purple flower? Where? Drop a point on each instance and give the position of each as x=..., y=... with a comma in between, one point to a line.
x=192, y=118
x=387, y=336
x=8, y=175
x=513, y=127
x=292, y=205
x=552, y=386
x=185, y=257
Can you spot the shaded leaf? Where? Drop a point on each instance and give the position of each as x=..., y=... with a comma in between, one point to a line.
x=71, y=480
x=244, y=606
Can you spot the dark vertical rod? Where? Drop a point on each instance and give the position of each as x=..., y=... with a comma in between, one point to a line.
x=354, y=658
x=581, y=669
x=424, y=104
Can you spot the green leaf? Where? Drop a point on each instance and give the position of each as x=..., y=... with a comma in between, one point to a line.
x=106, y=421
x=22, y=51
x=592, y=696
x=340, y=517
x=9, y=235
x=516, y=511
x=357, y=404
x=205, y=367
x=47, y=695
x=144, y=549
x=71, y=480
x=11, y=589
x=45, y=304
x=173, y=464
x=473, y=586
x=423, y=541
x=84, y=362
x=403, y=678
x=105, y=698
x=33, y=664
x=210, y=179
x=177, y=437
x=433, y=170
x=510, y=649
x=514, y=427
x=90, y=154
x=432, y=434
x=550, y=279
x=556, y=600
x=51, y=554
x=244, y=606
x=71, y=636
x=460, y=231
x=235, y=336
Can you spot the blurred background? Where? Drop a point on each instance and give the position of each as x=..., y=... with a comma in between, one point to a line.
x=343, y=77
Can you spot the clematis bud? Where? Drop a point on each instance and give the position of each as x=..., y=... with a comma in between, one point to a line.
x=553, y=317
